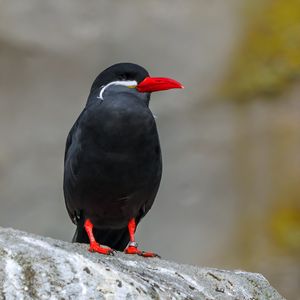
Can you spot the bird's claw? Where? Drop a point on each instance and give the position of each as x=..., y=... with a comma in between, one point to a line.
x=135, y=250
x=148, y=254
x=95, y=247
x=112, y=252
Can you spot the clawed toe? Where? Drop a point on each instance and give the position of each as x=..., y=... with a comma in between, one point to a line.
x=148, y=254
x=95, y=247
x=135, y=250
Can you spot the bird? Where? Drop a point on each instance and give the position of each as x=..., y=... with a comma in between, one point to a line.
x=113, y=161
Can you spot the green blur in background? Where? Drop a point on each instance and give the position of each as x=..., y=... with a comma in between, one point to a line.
x=230, y=194
x=264, y=75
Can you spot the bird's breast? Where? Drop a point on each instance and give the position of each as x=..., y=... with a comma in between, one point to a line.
x=119, y=140
x=121, y=127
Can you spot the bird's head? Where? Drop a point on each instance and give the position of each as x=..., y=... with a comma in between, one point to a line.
x=132, y=76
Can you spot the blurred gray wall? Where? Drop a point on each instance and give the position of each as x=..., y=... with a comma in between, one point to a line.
x=50, y=53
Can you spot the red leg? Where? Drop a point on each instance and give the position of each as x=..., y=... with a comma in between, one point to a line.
x=133, y=246
x=94, y=246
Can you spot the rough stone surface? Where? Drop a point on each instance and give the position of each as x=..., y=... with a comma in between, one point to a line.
x=34, y=267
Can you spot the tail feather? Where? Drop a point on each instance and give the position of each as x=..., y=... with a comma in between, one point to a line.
x=116, y=239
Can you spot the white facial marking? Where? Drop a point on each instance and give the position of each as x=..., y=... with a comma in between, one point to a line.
x=132, y=83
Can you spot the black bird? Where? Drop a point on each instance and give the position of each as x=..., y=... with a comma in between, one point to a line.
x=113, y=166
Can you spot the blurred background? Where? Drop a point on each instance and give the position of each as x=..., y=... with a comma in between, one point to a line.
x=230, y=194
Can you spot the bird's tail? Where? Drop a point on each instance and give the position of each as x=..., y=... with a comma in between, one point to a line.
x=116, y=239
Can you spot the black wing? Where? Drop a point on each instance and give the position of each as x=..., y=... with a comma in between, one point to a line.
x=148, y=204
x=68, y=173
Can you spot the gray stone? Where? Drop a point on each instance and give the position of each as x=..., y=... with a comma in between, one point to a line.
x=34, y=267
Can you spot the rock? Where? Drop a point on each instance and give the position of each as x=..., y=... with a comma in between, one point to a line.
x=43, y=268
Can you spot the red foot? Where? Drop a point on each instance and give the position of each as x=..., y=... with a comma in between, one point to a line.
x=135, y=250
x=95, y=247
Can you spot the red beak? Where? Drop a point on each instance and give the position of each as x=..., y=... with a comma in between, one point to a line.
x=154, y=84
